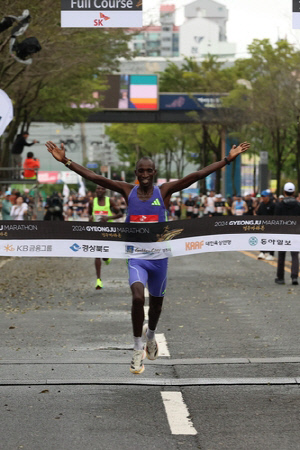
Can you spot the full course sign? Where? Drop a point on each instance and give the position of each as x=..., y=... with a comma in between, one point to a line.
x=101, y=13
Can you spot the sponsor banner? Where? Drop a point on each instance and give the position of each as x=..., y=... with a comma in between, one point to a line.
x=190, y=102
x=101, y=13
x=149, y=240
x=97, y=5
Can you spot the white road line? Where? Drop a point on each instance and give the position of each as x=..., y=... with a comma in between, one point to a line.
x=162, y=345
x=162, y=342
x=4, y=262
x=177, y=413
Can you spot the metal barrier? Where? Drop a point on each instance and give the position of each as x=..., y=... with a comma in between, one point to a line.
x=14, y=175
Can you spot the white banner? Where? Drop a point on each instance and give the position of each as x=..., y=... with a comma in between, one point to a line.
x=149, y=250
x=106, y=19
x=148, y=240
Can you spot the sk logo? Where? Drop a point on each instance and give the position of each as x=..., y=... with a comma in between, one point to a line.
x=102, y=16
x=156, y=202
x=99, y=22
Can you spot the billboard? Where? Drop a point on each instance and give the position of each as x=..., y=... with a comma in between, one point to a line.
x=101, y=13
x=130, y=92
x=190, y=102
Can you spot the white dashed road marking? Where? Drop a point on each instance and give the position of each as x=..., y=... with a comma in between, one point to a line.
x=162, y=345
x=177, y=413
x=162, y=342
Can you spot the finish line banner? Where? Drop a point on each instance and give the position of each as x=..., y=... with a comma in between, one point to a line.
x=148, y=241
x=101, y=13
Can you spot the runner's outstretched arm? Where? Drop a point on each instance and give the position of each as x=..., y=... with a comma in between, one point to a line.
x=60, y=155
x=167, y=189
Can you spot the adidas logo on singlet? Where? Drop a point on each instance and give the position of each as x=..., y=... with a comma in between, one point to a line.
x=156, y=202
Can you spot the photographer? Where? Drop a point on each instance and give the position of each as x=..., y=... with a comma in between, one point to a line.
x=17, y=150
x=54, y=208
x=30, y=165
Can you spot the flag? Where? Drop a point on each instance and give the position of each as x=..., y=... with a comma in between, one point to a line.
x=81, y=190
x=6, y=111
x=66, y=192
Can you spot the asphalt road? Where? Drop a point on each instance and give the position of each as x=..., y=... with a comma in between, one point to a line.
x=231, y=380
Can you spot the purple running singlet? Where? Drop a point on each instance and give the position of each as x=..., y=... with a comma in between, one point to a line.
x=153, y=272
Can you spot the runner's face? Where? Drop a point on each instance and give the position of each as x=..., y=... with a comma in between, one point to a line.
x=145, y=172
x=100, y=191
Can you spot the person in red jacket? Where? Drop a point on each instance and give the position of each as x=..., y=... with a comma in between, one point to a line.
x=29, y=165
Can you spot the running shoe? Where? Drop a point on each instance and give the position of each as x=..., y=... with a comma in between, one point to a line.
x=261, y=256
x=295, y=282
x=269, y=257
x=279, y=281
x=136, y=365
x=99, y=284
x=151, y=345
x=107, y=261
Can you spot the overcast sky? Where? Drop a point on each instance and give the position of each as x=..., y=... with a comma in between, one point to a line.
x=248, y=20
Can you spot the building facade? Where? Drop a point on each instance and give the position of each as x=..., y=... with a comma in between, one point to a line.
x=162, y=40
x=203, y=32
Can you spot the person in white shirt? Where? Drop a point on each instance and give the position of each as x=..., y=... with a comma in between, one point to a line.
x=210, y=204
x=19, y=210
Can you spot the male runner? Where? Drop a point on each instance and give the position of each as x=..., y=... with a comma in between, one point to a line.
x=150, y=201
x=102, y=209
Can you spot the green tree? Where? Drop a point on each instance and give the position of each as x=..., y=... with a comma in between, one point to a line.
x=70, y=66
x=208, y=76
x=269, y=99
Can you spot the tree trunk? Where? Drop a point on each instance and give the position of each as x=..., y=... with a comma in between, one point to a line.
x=278, y=163
x=219, y=172
x=205, y=156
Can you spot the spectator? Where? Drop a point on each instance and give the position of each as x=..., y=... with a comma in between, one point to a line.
x=189, y=205
x=54, y=208
x=288, y=207
x=209, y=204
x=177, y=208
x=250, y=204
x=196, y=208
x=239, y=206
x=30, y=165
x=19, y=210
x=228, y=205
x=6, y=206
x=266, y=208
x=220, y=208
x=16, y=151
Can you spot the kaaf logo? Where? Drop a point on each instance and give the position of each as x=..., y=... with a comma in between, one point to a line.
x=99, y=22
x=197, y=245
x=75, y=247
x=9, y=248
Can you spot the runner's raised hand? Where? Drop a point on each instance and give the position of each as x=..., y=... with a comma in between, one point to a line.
x=237, y=150
x=58, y=153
